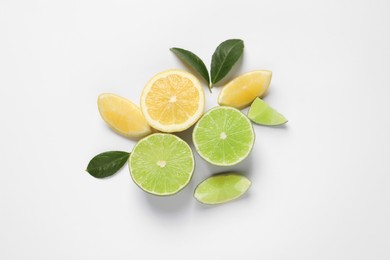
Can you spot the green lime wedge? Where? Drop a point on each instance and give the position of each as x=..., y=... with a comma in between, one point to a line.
x=223, y=136
x=263, y=114
x=221, y=188
x=161, y=164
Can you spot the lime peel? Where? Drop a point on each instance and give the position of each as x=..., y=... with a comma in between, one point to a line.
x=263, y=114
x=161, y=164
x=223, y=136
x=221, y=188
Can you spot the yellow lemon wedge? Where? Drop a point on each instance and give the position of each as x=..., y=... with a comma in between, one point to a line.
x=241, y=91
x=172, y=101
x=123, y=116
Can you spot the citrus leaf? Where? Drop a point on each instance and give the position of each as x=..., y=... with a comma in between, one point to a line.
x=193, y=61
x=224, y=57
x=107, y=163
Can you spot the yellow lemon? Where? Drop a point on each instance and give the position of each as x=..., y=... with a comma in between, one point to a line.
x=123, y=116
x=172, y=101
x=241, y=91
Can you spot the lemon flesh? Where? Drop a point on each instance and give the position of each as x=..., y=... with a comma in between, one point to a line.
x=123, y=116
x=241, y=91
x=172, y=101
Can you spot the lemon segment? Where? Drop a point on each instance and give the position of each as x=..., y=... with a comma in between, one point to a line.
x=241, y=91
x=172, y=101
x=123, y=116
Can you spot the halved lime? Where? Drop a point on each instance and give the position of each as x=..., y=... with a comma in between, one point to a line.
x=263, y=114
x=223, y=136
x=161, y=164
x=221, y=188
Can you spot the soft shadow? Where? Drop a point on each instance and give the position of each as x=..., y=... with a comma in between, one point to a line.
x=244, y=167
x=267, y=93
x=283, y=127
x=186, y=135
x=170, y=204
x=178, y=202
x=122, y=136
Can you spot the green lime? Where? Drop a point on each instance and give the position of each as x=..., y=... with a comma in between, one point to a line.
x=223, y=136
x=221, y=188
x=161, y=164
x=263, y=114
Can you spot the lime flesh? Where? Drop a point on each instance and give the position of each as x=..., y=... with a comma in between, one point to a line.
x=263, y=114
x=223, y=136
x=161, y=164
x=221, y=188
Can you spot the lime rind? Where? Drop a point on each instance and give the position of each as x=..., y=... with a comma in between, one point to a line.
x=263, y=114
x=208, y=131
x=161, y=164
x=221, y=188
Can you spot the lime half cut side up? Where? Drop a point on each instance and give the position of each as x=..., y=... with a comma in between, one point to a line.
x=161, y=164
x=221, y=188
x=223, y=136
x=263, y=114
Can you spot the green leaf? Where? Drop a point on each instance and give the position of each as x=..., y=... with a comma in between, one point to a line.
x=224, y=57
x=193, y=61
x=107, y=163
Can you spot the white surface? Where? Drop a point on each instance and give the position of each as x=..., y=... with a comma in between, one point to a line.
x=320, y=185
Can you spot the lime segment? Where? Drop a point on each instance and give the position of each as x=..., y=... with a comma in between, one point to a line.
x=223, y=136
x=221, y=188
x=161, y=164
x=262, y=113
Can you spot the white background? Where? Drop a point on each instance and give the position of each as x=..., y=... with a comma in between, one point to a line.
x=321, y=185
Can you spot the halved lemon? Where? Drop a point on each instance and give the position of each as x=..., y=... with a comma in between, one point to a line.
x=123, y=116
x=172, y=101
x=241, y=91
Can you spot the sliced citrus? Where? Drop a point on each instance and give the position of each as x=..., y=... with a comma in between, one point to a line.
x=221, y=188
x=223, y=136
x=161, y=164
x=262, y=113
x=122, y=115
x=241, y=91
x=172, y=101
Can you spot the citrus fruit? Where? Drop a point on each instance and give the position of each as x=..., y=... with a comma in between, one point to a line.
x=161, y=164
x=172, y=101
x=122, y=115
x=262, y=113
x=241, y=91
x=223, y=136
x=221, y=188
